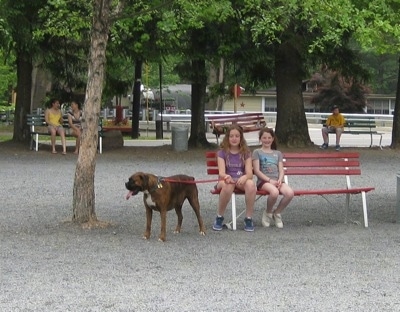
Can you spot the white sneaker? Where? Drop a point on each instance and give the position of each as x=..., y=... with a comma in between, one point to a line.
x=278, y=220
x=266, y=219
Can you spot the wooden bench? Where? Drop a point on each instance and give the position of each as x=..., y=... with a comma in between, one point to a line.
x=38, y=127
x=319, y=165
x=248, y=121
x=360, y=125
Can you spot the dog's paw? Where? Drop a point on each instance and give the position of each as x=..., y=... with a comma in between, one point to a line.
x=202, y=233
x=177, y=231
x=160, y=239
x=146, y=237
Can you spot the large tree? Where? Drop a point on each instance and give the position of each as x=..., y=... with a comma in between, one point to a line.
x=379, y=32
x=21, y=19
x=297, y=31
x=83, y=193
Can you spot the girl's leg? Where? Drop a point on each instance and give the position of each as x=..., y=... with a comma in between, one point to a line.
x=61, y=132
x=267, y=217
x=53, y=133
x=224, y=196
x=250, y=197
x=272, y=197
x=288, y=195
x=77, y=134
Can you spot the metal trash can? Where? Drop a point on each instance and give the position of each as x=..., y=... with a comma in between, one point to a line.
x=180, y=137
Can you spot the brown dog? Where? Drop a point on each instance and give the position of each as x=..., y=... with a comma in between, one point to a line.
x=163, y=194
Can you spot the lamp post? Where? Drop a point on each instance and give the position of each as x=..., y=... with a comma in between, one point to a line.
x=159, y=123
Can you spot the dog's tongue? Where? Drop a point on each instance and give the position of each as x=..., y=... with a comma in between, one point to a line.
x=130, y=193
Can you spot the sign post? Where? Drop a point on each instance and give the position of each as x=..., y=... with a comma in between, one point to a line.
x=236, y=93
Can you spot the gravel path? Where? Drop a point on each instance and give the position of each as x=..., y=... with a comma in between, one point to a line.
x=316, y=263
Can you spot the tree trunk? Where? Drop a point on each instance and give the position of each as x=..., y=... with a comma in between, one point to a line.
x=83, y=193
x=291, y=123
x=213, y=84
x=221, y=80
x=23, y=103
x=216, y=79
x=199, y=84
x=136, y=99
x=396, y=116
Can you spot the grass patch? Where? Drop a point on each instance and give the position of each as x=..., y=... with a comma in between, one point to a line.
x=5, y=137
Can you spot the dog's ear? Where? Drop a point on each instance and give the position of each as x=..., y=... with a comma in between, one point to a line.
x=145, y=179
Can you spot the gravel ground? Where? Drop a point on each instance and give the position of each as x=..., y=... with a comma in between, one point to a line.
x=316, y=263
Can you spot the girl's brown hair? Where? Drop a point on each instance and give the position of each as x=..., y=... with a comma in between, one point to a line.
x=274, y=145
x=243, y=147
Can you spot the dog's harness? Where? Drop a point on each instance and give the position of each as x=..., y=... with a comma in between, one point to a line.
x=159, y=185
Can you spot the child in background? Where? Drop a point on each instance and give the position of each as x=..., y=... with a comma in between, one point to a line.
x=74, y=120
x=268, y=167
x=235, y=171
x=54, y=120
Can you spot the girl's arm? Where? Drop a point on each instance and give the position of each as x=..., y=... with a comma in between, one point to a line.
x=248, y=167
x=222, y=169
x=46, y=117
x=281, y=171
x=71, y=124
x=258, y=172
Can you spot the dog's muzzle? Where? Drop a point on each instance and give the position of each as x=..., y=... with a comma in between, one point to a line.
x=132, y=188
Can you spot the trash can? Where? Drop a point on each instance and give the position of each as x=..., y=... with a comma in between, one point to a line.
x=180, y=137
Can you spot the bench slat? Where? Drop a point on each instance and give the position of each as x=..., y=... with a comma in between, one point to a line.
x=320, y=155
x=356, y=190
x=321, y=171
x=321, y=163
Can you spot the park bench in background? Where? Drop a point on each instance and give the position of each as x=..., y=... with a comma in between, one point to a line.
x=360, y=125
x=319, y=167
x=248, y=121
x=38, y=127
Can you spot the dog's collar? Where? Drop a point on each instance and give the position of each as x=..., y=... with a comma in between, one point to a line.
x=159, y=185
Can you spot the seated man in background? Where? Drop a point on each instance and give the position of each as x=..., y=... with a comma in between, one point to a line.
x=334, y=124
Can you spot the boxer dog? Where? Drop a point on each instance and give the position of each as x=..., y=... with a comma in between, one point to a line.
x=163, y=194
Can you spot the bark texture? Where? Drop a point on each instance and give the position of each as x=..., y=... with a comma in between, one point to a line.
x=23, y=104
x=199, y=84
x=83, y=193
x=396, y=116
x=291, y=122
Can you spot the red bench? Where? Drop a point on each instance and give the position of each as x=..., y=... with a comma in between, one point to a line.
x=248, y=121
x=311, y=164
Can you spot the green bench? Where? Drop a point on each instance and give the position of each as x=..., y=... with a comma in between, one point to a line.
x=360, y=125
x=38, y=127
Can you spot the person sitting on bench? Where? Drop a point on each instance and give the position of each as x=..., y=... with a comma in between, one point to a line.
x=334, y=124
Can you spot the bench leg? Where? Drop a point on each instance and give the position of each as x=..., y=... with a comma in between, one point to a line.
x=380, y=142
x=346, y=216
x=36, y=142
x=100, y=144
x=371, y=141
x=364, y=202
x=233, y=212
